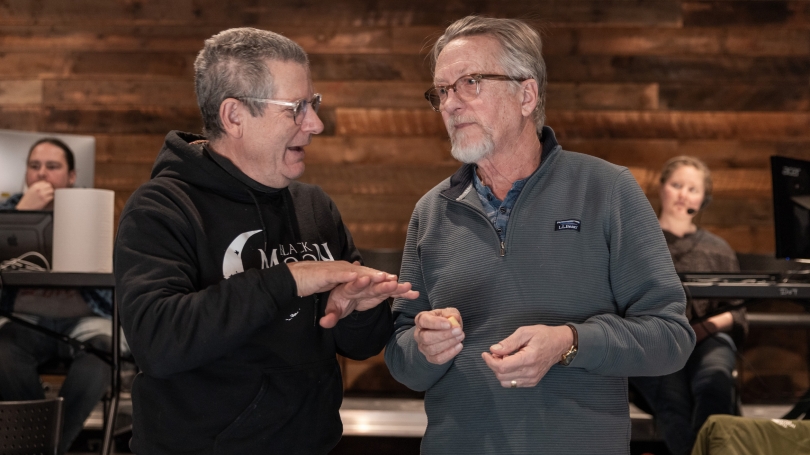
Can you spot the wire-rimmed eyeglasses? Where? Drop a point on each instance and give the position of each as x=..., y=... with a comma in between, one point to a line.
x=467, y=87
x=298, y=108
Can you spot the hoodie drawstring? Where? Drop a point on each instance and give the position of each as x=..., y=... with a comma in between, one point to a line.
x=261, y=219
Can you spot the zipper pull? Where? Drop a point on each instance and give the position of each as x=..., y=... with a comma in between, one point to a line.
x=503, y=249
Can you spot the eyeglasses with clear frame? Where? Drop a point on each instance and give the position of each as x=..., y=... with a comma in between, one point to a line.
x=298, y=108
x=467, y=88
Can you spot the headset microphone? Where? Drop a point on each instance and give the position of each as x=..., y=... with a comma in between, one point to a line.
x=691, y=211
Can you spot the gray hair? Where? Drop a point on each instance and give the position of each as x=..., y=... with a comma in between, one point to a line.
x=522, y=51
x=233, y=64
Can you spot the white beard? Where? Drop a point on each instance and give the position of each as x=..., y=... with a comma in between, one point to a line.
x=467, y=152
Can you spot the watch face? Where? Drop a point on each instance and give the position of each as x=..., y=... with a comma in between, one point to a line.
x=568, y=357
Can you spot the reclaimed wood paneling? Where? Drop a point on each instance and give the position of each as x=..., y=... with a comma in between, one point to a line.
x=389, y=122
x=380, y=150
x=331, y=67
x=734, y=97
x=128, y=148
x=20, y=92
x=377, y=179
x=718, y=154
x=125, y=120
x=169, y=93
x=697, y=69
x=313, y=13
x=756, y=13
x=679, y=124
x=637, y=41
x=633, y=82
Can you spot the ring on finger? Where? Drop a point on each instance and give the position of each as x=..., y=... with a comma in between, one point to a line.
x=514, y=384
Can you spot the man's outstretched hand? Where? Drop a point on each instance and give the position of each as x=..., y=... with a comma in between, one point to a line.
x=367, y=291
x=354, y=287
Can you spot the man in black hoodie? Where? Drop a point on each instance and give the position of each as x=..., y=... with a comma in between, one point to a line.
x=237, y=284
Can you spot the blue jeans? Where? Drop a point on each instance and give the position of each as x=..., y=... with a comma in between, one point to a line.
x=23, y=350
x=682, y=401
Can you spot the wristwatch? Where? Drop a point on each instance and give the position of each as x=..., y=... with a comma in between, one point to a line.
x=568, y=357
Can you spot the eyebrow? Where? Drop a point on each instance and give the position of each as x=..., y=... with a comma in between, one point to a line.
x=46, y=162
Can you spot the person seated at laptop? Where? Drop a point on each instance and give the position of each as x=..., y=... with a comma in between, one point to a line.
x=50, y=166
x=81, y=314
x=682, y=401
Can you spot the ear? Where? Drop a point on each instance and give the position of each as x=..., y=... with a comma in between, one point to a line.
x=530, y=97
x=71, y=178
x=232, y=114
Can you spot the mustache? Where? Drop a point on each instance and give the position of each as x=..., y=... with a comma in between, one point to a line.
x=455, y=120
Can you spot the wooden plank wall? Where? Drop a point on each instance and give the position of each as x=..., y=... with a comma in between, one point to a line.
x=634, y=82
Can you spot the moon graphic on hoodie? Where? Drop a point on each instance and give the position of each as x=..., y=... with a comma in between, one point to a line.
x=232, y=262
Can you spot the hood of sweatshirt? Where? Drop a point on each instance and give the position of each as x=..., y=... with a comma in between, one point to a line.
x=189, y=158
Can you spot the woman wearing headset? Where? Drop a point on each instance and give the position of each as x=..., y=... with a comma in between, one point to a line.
x=682, y=401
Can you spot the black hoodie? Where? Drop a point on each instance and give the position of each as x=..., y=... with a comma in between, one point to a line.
x=231, y=360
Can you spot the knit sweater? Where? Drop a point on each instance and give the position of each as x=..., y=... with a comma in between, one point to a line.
x=583, y=247
x=703, y=251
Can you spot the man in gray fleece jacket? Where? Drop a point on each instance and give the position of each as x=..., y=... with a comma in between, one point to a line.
x=544, y=277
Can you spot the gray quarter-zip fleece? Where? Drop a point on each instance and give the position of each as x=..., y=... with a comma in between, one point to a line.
x=583, y=247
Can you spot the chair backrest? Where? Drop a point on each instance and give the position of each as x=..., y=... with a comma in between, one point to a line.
x=30, y=427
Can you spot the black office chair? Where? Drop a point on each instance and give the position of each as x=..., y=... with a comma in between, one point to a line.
x=30, y=427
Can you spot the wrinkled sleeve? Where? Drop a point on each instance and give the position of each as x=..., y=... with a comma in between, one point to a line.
x=406, y=363
x=649, y=335
x=172, y=325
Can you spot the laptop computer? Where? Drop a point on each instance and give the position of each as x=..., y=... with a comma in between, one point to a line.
x=23, y=232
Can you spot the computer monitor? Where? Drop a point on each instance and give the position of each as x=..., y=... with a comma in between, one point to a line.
x=25, y=231
x=14, y=146
x=791, y=207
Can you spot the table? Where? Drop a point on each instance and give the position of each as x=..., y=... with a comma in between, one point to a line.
x=96, y=280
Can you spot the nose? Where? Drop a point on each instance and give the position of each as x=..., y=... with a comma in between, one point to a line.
x=452, y=103
x=312, y=123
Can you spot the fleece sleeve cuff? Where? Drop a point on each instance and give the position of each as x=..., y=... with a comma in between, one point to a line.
x=591, y=348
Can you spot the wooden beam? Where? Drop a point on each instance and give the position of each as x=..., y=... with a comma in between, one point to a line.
x=653, y=153
x=377, y=179
x=602, y=96
x=735, y=97
x=169, y=93
x=391, y=151
x=389, y=122
x=128, y=148
x=329, y=67
x=24, y=118
x=662, y=41
x=674, y=124
x=679, y=69
x=21, y=92
x=757, y=13
x=140, y=120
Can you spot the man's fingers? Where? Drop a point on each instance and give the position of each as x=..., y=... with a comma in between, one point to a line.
x=410, y=295
x=447, y=355
x=358, y=285
x=329, y=320
x=510, y=344
x=428, y=320
x=510, y=364
x=438, y=348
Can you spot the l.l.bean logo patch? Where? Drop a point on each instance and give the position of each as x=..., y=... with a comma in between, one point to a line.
x=567, y=225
